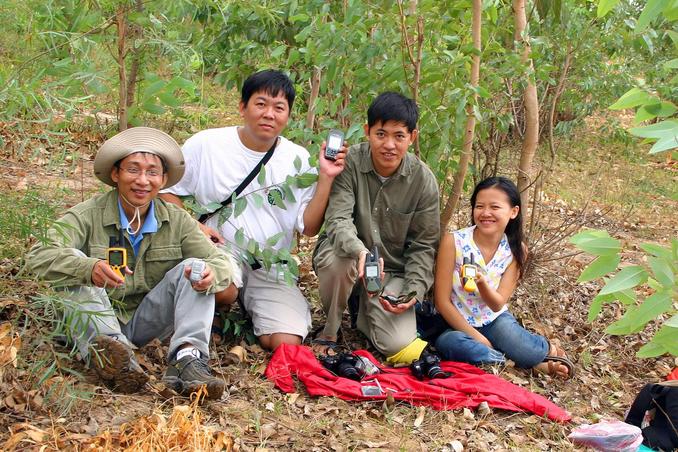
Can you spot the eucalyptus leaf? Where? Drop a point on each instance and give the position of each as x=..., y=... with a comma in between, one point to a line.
x=663, y=271
x=632, y=98
x=240, y=206
x=601, y=266
x=649, y=14
x=605, y=6
x=257, y=200
x=626, y=278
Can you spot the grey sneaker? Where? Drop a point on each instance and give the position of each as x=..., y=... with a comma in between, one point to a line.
x=189, y=373
x=115, y=363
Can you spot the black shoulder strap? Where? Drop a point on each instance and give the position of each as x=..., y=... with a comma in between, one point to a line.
x=250, y=177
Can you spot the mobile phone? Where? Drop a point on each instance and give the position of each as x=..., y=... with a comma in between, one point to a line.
x=372, y=273
x=116, y=258
x=197, y=267
x=335, y=139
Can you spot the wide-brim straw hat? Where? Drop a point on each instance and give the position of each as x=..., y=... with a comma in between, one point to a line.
x=139, y=139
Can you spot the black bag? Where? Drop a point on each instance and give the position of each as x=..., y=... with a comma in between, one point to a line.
x=430, y=324
x=662, y=433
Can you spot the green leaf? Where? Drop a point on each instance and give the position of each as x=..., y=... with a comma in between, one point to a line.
x=306, y=179
x=672, y=322
x=597, y=305
x=153, y=89
x=601, y=266
x=656, y=304
x=240, y=205
x=257, y=200
x=664, y=145
x=297, y=163
x=633, y=98
x=662, y=271
x=650, y=13
x=627, y=297
x=169, y=100
x=261, y=177
x=626, y=278
x=274, y=239
x=278, y=51
x=153, y=108
x=353, y=129
x=663, y=129
x=277, y=199
x=596, y=242
x=651, y=350
x=667, y=336
x=251, y=246
x=656, y=250
x=671, y=64
x=605, y=6
x=240, y=237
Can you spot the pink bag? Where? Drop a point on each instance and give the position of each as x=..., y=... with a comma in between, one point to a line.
x=608, y=436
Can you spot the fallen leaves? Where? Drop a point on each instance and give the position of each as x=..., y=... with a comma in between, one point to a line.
x=10, y=343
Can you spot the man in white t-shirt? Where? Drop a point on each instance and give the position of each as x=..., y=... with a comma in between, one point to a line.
x=218, y=160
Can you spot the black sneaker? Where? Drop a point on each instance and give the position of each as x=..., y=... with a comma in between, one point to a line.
x=189, y=373
x=115, y=363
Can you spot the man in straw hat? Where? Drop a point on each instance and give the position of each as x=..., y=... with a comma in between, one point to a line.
x=159, y=243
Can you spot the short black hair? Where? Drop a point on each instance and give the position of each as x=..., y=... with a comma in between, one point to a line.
x=271, y=82
x=390, y=106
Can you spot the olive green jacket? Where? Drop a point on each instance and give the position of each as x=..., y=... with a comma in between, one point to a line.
x=400, y=215
x=90, y=225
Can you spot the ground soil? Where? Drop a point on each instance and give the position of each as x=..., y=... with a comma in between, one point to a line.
x=69, y=411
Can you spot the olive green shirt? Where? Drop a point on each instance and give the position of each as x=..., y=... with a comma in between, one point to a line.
x=401, y=215
x=89, y=227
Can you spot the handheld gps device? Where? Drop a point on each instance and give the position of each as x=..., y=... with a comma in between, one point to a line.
x=197, y=267
x=116, y=258
x=469, y=271
x=335, y=139
x=395, y=301
x=372, y=273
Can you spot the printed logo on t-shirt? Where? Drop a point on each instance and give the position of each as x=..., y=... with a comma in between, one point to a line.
x=275, y=197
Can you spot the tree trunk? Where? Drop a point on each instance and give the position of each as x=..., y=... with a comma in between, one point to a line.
x=414, y=56
x=531, y=137
x=315, y=90
x=137, y=32
x=121, y=24
x=467, y=147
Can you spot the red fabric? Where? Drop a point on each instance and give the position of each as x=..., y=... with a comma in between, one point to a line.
x=673, y=375
x=467, y=387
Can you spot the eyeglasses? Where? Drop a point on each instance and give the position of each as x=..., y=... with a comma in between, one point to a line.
x=136, y=172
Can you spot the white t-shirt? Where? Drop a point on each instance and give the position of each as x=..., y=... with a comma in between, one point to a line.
x=217, y=162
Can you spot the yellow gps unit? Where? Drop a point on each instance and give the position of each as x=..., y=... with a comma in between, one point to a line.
x=469, y=272
x=117, y=260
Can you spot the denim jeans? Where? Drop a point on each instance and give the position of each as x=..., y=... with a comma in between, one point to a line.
x=509, y=339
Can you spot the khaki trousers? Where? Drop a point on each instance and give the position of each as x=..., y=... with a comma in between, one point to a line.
x=389, y=333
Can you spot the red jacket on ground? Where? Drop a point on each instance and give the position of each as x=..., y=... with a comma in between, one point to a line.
x=467, y=387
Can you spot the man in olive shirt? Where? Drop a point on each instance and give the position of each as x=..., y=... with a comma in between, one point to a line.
x=158, y=242
x=386, y=197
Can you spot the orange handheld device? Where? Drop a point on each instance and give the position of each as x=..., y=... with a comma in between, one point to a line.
x=117, y=259
x=469, y=271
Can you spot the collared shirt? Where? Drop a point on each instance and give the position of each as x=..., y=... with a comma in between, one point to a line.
x=89, y=227
x=150, y=225
x=401, y=215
